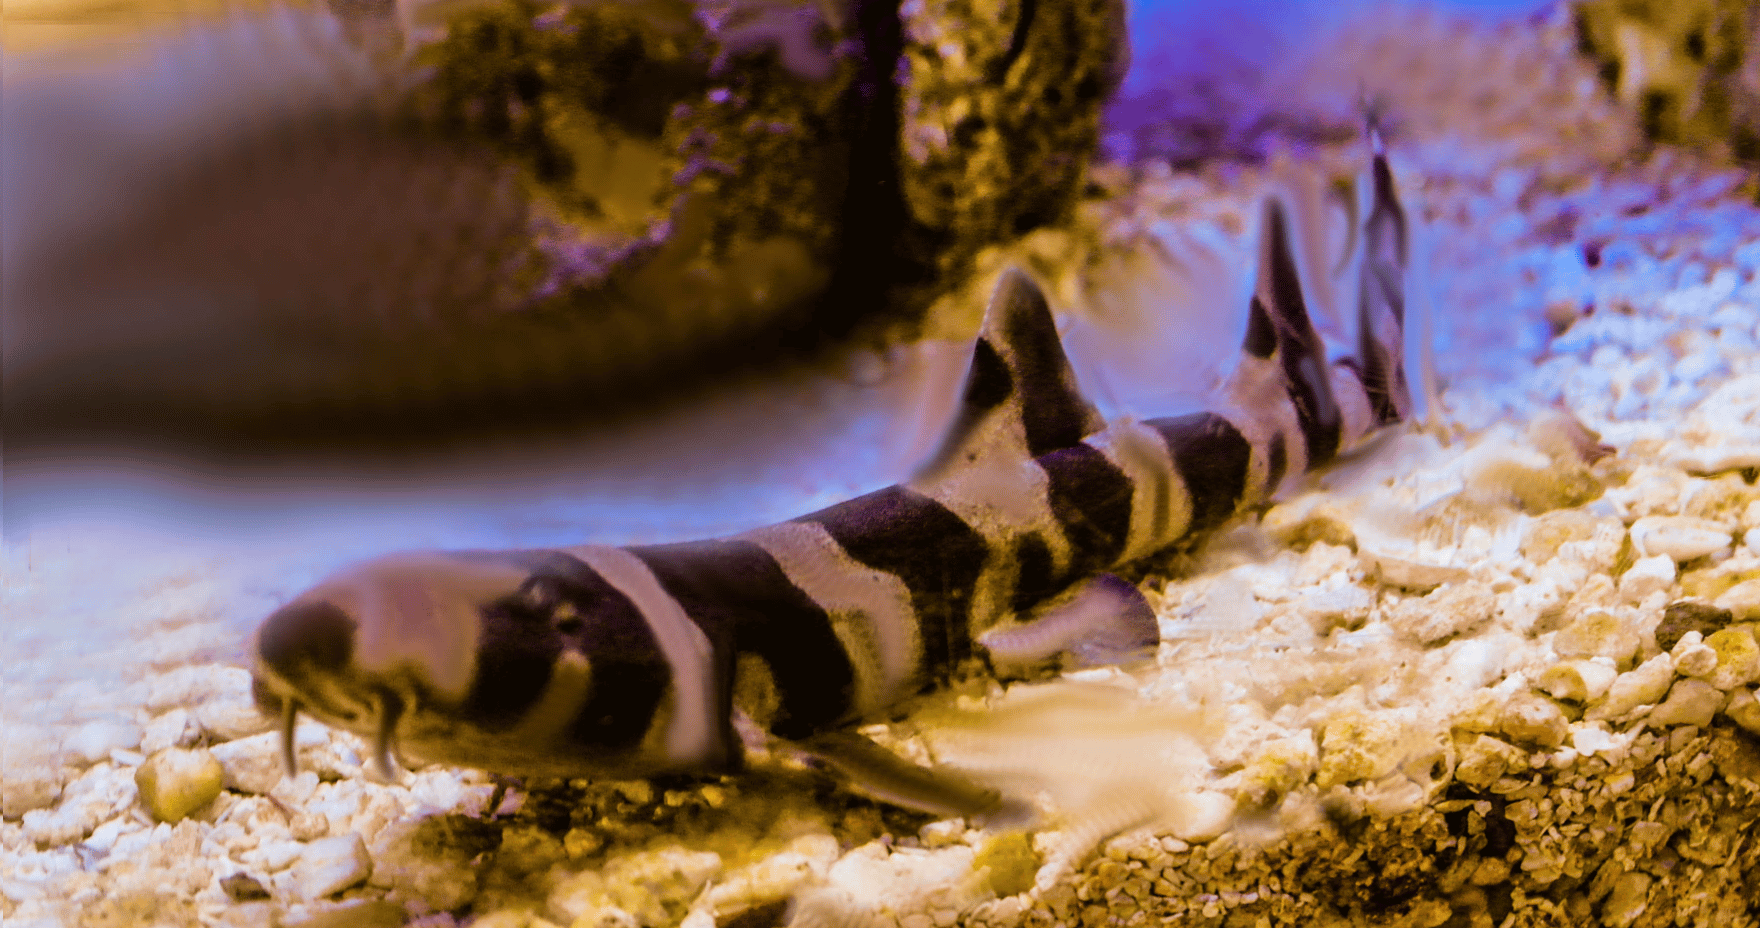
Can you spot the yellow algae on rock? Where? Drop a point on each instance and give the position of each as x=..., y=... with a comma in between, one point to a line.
x=175, y=782
x=1484, y=759
x=1744, y=709
x=1012, y=863
x=1279, y=767
x=1563, y=485
x=1597, y=633
x=1300, y=527
x=1738, y=658
x=1357, y=746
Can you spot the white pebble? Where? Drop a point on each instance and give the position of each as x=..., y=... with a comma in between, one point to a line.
x=1744, y=710
x=1644, y=686
x=329, y=866
x=174, y=729
x=1691, y=657
x=1591, y=739
x=93, y=741
x=1680, y=537
x=1578, y=680
x=1647, y=575
x=1204, y=816
x=1742, y=600
x=1691, y=702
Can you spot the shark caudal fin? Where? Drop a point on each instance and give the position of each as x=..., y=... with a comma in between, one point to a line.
x=1381, y=298
x=1020, y=394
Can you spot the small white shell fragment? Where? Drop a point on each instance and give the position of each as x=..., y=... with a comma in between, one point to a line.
x=1691, y=702
x=329, y=866
x=175, y=782
x=1738, y=658
x=1591, y=739
x=1682, y=538
x=1578, y=680
x=1647, y=575
x=1744, y=710
x=1742, y=600
x=806, y=859
x=1644, y=686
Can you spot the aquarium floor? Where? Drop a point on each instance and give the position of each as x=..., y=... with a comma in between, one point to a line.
x=1486, y=675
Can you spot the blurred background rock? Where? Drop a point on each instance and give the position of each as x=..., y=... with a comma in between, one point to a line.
x=1689, y=68
x=366, y=229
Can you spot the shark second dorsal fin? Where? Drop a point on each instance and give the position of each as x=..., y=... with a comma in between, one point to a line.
x=1283, y=361
x=1020, y=393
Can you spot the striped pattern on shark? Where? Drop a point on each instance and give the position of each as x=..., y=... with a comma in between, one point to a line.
x=633, y=661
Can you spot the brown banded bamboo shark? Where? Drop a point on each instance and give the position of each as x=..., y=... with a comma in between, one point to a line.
x=627, y=662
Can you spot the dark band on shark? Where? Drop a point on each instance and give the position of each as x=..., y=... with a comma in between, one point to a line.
x=1211, y=456
x=938, y=556
x=738, y=594
x=1091, y=499
x=1034, y=581
x=524, y=635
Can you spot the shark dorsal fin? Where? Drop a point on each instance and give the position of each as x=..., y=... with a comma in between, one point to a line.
x=1020, y=393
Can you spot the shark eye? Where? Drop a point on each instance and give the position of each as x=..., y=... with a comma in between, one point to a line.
x=567, y=620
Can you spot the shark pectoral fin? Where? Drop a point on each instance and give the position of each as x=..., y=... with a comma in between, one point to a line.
x=880, y=774
x=1106, y=621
